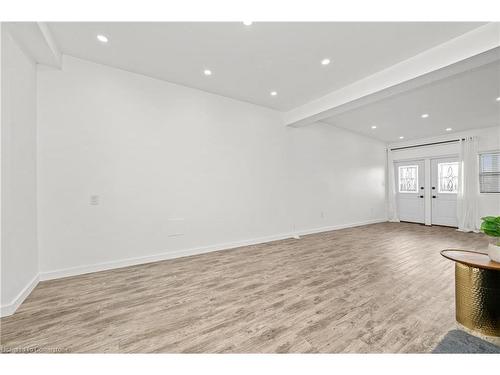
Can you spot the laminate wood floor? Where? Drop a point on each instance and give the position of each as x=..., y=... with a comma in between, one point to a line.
x=376, y=288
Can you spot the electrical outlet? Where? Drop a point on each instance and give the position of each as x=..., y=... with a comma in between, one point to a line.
x=94, y=200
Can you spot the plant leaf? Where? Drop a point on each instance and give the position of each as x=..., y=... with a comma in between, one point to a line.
x=491, y=226
x=489, y=219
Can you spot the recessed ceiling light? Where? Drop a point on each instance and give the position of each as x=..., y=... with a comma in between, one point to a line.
x=247, y=23
x=273, y=93
x=102, y=38
x=498, y=99
x=325, y=61
x=401, y=137
x=425, y=115
x=374, y=126
x=207, y=72
x=448, y=129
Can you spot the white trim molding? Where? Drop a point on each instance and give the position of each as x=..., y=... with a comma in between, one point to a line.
x=80, y=270
x=341, y=226
x=10, y=308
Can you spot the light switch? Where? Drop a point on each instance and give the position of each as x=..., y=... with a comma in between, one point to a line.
x=94, y=200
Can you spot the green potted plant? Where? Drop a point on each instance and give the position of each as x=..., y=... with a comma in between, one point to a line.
x=491, y=227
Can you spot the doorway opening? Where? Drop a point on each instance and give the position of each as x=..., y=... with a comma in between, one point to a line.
x=427, y=191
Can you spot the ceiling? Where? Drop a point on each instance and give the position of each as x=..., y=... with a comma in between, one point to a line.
x=248, y=62
x=462, y=102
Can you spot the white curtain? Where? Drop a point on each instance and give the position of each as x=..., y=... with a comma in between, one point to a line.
x=468, y=186
x=392, y=206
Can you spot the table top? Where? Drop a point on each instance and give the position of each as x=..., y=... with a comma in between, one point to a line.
x=471, y=258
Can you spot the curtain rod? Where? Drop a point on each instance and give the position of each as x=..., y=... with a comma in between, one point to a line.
x=429, y=144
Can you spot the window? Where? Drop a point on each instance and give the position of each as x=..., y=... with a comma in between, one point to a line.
x=489, y=172
x=408, y=179
x=448, y=178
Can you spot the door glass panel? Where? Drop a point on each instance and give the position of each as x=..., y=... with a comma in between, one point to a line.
x=448, y=177
x=408, y=179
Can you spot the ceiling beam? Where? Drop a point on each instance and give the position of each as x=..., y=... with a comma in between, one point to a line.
x=37, y=41
x=468, y=51
x=51, y=43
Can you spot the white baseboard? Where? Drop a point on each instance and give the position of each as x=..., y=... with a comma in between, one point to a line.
x=73, y=271
x=341, y=226
x=80, y=270
x=10, y=308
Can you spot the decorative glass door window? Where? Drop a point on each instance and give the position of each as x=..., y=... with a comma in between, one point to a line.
x=408, y=179
x=448, y=178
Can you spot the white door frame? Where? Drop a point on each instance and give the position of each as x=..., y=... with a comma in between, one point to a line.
x=428, y=192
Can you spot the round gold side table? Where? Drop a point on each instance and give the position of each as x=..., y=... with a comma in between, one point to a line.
x=477, y=291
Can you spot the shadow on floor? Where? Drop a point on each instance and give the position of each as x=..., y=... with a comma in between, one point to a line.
x=457, y=341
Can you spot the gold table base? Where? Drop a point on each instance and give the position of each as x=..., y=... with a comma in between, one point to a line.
x=477, y=298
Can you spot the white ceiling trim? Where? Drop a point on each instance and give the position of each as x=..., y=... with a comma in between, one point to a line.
x=475, y=42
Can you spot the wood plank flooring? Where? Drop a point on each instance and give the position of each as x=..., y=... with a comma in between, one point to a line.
x=377, y=288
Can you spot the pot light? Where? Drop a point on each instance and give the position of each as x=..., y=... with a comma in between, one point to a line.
x=207, y=72
x=374, y=126
x=102, y=38
x=247, y=23
x=448, y=129
x=498, y=99
x=425, y=115
x=325, y=61
x=273, y=93
x=401, y=137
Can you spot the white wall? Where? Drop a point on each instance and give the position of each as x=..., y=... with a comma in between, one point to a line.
x=337, y=177
x=488, y=140
x=19, y=254
x=178, y=169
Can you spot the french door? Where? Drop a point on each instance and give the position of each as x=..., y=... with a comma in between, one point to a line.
x=410, y=190
x=444, y=186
